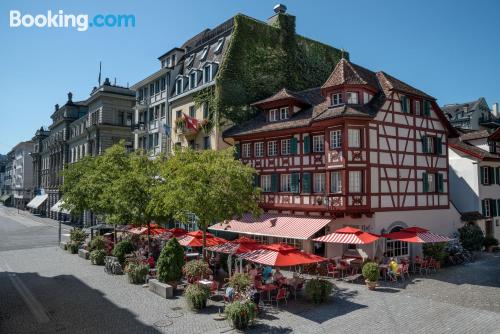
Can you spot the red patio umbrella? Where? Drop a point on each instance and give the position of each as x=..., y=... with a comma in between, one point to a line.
x=280, y=255
x=144, y=230
x=349, y=235
x=237, y=246
x=416, y=234
x=178, y=232
x=195, y=239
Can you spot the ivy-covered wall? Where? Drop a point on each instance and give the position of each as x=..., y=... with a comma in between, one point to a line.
x=263, y=58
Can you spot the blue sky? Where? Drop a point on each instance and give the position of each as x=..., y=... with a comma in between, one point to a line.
x=449, y=49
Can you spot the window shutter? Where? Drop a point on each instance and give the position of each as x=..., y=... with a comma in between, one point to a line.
x=498, y=206
x=439, y=148
x=425, y=183
x=493, y=207
x=274, y=183
x=404, y=104
x=427, y=108
x=307, y=145
x=237, y=151
x=293, y=146
x=484, y=207
x=295, y=183
x=491, y=174
x=256, y=180
x=497, y=175
x=306, y=182
x=481, y=170
x=440, y=178
x=424, y=144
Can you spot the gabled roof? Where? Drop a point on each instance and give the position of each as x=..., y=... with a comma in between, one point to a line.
x=473, y=151
x=454, y=108
x=495, y=136
x=283, y=94
x=347, y=73
x=475, y=135
x=389, y=83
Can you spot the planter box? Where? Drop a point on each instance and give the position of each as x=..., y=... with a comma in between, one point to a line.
x=112, y=266
x=84, y=254
x=63, y=245
x=161, y=289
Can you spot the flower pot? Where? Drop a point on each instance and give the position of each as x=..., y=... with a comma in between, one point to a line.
x=371, y=285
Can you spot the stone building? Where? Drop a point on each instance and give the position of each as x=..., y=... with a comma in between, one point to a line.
x=21, y=178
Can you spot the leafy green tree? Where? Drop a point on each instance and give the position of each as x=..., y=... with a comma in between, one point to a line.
x=209, y=184
x=79, y=188
x=171, y=262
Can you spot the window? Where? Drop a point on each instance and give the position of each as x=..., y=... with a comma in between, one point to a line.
x=430, y=144
x=192, y=144
x=272, y=148
x=245, y=150
x=192, y=80
x=178, y=86
x=172, y=62
x=205, y=110
x=156, y=139
x=157, y=86
x=355, y=181
x=366, y=97
x=492, y=147
x=336, y=182
x=151, y=89
x=190, y=60
x=354, y=136
x=418, y=110
x=352, y=98
x=486, y=208
x=336, y=139
x=318, y=143
x=220, y=44
x=204, y=53
x=429, y=182
x=163, y=110
x=259, y=149
x=286, y=183
x=395, y=248
x=129, y=119
x=336, y=99
x=285, y=147
x=319, y=182
x=405, y=104
x=265, y=183
x=284, y=114
x=273, y=115
x=485, y=175
x=192, y=112
x=207, y=74
x=206, y=143
x=178, y=114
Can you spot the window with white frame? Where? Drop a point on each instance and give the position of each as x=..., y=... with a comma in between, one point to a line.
x=431, y=182
x=366, y=97
x=262, y=239
x=418, y=110
x=245, y=150
x=192, y=80
x=355, y=181
x=336, y=182
x=220, y=44
x=207, y=73
x=318, y=143
x=284, y=113
x=265, y=183
x=273, y=115
x=336, y=139
x=486, y=206
x=486, y=175
x=286, y=182
x=178, y=86
x=319, y=182
x=272, y=148
x=396, y=248
x=259, y=149
x=354, y=138
x=285, y=146
x=431, y=146
x=204, y=53
x=352, y=98
x=297, y=243
x=336, y=99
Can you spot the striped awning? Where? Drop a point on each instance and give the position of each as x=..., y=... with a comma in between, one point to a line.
x=37, y=201
x=57, y=208
x=279, y=255
x=349, y=235
x=283, y=226
x=416, y=235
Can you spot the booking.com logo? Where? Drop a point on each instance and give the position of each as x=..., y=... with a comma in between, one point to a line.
x=81, y=22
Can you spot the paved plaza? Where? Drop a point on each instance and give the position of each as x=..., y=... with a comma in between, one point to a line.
x=44, y=289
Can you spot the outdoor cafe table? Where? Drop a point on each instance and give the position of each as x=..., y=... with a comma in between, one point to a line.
x=268, y=288
x=206, y=282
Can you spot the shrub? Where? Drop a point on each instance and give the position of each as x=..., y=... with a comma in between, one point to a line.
x=196, y=269
x=240, y=282
x=436, y=251
x=73, y=247
x=490, y=241
x=371, y=272
x=170, y=262
x=471, y=236
x=241, y=313
x=97, y=257
x=197, y=296
x=137, y=272
x=97, y=243
x=121, y=249
x=77, y=235
x=318, y=290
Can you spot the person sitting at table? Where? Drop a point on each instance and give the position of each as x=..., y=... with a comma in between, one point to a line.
x=385, y=259
x=392, y=270
x=253, y=272
x=278, y=276
x=266, y=273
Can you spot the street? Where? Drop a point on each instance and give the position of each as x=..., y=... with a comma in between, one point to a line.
x=44, y=289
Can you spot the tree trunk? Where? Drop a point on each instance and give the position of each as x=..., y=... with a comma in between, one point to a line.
x=149, y=239
x=204, y=229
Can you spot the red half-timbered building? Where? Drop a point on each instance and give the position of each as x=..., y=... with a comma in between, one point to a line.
x=365, y=149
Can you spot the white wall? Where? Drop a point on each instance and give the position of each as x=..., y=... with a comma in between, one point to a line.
x=464, y=182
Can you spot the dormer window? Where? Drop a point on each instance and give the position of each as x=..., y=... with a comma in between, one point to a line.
x=190, y=60
x=337, y=99
x=204, y=53
x=193, y=80
x=273, y=115
x=207, y=73
x=352, y=98
x=220, y=44
x=178, y=86
x=366, y=97
x=284, y=113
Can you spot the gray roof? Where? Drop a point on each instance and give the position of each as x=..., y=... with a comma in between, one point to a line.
x=455, y=108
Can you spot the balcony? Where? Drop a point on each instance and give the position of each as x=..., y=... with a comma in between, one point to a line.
x=139, y=128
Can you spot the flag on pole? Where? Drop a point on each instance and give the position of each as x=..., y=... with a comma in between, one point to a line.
x=99, y=79
x=167, y=129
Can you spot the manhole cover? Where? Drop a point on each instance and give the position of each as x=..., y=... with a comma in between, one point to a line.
x=176, y=308
x=174, y=314
x=163, y=323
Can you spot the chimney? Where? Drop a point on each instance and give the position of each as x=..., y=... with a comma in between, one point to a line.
x=495, y=110
x=280, y=9
x=70, y=97
x=56, y=107
x=281, y=19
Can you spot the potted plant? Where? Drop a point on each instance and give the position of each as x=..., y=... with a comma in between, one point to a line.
x=137, y=272
x=121, y=249
x=73, y=247
x=196, y=270
x=371, y=273
x=318, y=290
x=97, y=243
x=240, y=282
x=77, y=237
x=170, y=263
x=196, y=296
x=490, y=243
x=241, y=313
x=180, y=124
x=97, y=257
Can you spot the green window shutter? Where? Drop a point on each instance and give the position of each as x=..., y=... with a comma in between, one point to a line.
x=481, y=172
x=491, y=174
x=307, y=145
x=440, y=178
x=295, y=183
x=427, y=108
x=497, y=175
x=439, y=148
x=293, y=146
x=483, y=204
x=274, y=183
x=424, y=144
x=256, y=180
x=237, y=151
x=493, y=207
x=425, y=183
x=498, y=206
x=306, y=182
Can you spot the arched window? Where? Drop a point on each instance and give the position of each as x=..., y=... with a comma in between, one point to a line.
x=396, y=248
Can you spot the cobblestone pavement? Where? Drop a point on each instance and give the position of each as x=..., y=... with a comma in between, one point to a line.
x=47, y=290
